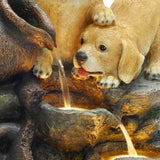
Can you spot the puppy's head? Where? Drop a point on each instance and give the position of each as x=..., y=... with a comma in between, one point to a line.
x=104, y=52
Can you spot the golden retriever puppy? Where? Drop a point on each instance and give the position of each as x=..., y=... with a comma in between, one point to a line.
x=69, y=17
x=116, y=53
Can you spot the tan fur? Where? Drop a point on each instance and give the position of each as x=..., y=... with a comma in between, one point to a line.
x=135, y=34
x=70, y=17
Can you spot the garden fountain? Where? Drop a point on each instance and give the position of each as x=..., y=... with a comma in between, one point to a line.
x=33, y=127
x=132, y=154
x=67, y=106
x=57, y=130
x=105, y=148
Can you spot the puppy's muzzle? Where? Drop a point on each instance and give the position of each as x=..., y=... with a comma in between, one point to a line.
x=81, y=57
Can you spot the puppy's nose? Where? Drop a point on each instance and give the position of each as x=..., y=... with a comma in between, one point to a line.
x=81, y=57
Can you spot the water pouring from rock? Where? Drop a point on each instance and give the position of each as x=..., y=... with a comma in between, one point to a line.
x=66, y=97
x=63, y=82
x=131, y=149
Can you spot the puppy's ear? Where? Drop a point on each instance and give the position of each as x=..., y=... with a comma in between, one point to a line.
x=130, y=62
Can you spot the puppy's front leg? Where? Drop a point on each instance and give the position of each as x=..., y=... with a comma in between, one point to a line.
x=43, y=65
x=102, y=15
x=108, y=81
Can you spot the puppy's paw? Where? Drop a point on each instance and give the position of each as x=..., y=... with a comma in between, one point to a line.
x=108, y=82
x=74, y=73
x=42, y=69
x=153, y=73
x=103, y=16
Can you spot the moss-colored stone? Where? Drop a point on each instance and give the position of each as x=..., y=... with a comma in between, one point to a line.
x=9, y=104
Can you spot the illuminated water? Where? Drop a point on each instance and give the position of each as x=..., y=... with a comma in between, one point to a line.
x=66, y=97
x=63, y=82
x=131, y=150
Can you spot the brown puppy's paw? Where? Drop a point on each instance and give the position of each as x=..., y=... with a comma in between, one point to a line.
x=103, y=16
x=153, y=73
x=108, y=82
x=42, y=69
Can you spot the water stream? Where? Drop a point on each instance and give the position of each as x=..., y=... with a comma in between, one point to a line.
x=66, y=97
x=131, y=149
x=63, y=82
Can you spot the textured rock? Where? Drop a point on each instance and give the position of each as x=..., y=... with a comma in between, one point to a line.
x=43, y=151
x=133, y=99
x=18, y=53
x=9, y=104
x=73, y=130
x=92, y=155
x=132, y=158
x=9, y=130
x=133, y=103
x=136, y=104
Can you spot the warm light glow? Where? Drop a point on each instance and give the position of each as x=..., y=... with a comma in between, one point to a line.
x=74, y=108
x=119, y=154
x=131, y=150
x=67, y=106
x=130, y=156
x=114, y=157
x=108, y=3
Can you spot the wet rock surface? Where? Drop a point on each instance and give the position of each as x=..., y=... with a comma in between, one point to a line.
x=132, y=158
x=136, y=98
x=72, y=130
x=9, y=104
x=136, y=104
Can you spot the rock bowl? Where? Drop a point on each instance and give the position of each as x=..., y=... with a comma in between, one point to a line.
x=72, y=130
x=132, y=158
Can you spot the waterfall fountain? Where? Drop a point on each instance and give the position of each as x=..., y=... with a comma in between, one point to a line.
x=66, y=97
x=70, y=134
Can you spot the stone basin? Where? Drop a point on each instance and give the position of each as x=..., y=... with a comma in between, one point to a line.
x=131, y=158
x=72, y=130
x=137, y=104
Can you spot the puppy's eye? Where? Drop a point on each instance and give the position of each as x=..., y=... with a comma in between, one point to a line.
x=102, y=47
x=82, y=40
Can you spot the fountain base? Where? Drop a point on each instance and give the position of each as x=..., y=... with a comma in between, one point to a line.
x=132, y=158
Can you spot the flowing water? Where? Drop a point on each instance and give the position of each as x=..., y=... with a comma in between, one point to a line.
x=63, y=82
x=66, y=97
x=131, y=150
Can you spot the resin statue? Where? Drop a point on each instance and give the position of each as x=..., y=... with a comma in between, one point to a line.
x=116, y=53
x=24, y=30
x=69, y=17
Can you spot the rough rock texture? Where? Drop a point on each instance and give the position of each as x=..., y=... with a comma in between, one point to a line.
x=72, y=130
x=132, y=158
x=42, y=151
x=9, y=104
x=135, y=99
x=24, y=30
x=136, y=104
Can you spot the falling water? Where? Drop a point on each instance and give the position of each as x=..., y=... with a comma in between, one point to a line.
x=63, y=82
x=131, y=150
x=66, y=97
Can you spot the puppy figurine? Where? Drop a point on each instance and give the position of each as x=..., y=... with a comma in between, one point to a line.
x=116, y=53
x=69, y=17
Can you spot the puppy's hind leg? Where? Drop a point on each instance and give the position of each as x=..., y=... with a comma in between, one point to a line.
x=153, y=66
